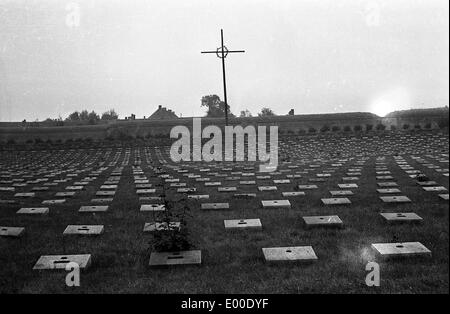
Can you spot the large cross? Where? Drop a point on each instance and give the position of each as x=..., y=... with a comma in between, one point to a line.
x=222, y=53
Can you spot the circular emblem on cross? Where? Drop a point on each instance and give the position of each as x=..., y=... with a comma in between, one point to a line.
x=222, y=52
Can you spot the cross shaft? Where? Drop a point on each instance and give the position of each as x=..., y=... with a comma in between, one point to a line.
x=222, y=53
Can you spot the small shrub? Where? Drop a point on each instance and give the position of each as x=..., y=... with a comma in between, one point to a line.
x=369, y=127
x=172, y=239
x=324, y=129
x=405, y=126
x=312, y=130
x=380, y=127
x=443, y=123
x=347, y=128
x=357, y=128
x=336, y=128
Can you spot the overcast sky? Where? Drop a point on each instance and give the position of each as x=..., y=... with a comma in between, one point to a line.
x=314, y=56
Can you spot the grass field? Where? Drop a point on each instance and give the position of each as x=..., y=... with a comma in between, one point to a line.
x=232, y=261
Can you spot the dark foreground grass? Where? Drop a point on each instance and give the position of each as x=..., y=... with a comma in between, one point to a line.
x=232, y=261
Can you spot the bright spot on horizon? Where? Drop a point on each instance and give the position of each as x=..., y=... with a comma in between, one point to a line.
x=393, y=100
x=381, y=108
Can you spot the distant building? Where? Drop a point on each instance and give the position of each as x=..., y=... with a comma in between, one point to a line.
x=162, y=113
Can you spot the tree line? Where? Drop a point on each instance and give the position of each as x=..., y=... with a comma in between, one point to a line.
x=216, y=108
x=82, y=117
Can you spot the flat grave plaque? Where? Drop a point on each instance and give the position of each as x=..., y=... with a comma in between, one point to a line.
x=384, y=177
x=401, y=249
x=347, y=185
x=243, y=224
x=101, y=200
x=295, y=253
x=105, y=193
x=83, y=230
x=53, y=202
x=141, y=181
x=75, y=187
x=11, y=231
x=401, y=217
x=244, y=195
x=64, y=194
x=395, y=199
x=434, y=188
x=175, y=258
x=292, y=194
x=28, y=194
x=247, y=182
x=152, y=207
x=227, y=189
x=283, y=181
x=276, y=204
x=161, y=226
x=143, y=186
x=336, y=201
x=341, y=193
x=307, y=187
x=33, y=211
x=388, y=191
x=215, y=206
x=387, y=184
x=7, y=189
x=108, y=186
x=199, y=196
x=267, y=188
x=186, y=190
x=145, y=191
x=93, y=209
x=60, y=261
x=323, y=221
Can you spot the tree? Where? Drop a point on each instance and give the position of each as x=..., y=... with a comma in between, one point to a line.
x=266, y=112
x=84, y=115
x=216, y=107
x=74, y=116
x=245, y=113
x=93, y=117
x=110, y=115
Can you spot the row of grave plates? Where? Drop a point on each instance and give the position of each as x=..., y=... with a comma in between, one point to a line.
x=273, y=254
x=299, y=253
